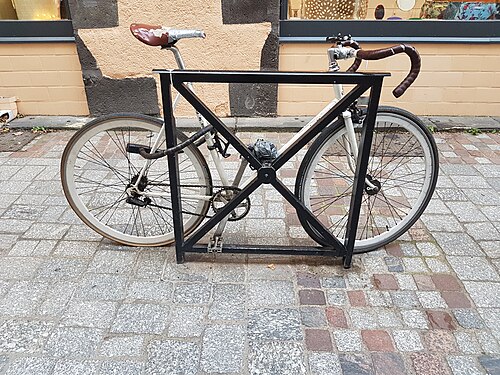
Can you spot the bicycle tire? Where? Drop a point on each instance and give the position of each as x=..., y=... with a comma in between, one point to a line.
x=411, y=156
x=96, y=169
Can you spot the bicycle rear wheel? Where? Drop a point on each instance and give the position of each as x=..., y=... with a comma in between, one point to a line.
x=96, y=170
x=403, y=166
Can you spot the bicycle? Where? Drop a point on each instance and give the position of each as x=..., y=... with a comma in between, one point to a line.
x=116, y=181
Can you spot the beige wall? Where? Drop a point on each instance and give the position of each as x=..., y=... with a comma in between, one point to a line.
x=456, y=79
x=237, y=47
x=45, y=77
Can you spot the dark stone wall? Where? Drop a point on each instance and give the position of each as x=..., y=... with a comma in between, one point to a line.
x=255, y=99
x=106, y=95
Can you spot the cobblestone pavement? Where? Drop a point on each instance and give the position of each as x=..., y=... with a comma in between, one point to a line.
x=73, y=303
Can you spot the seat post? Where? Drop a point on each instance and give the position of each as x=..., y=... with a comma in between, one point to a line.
x=178, y=57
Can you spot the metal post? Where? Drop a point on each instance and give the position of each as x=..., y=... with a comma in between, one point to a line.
x=173, y=166
x=361, y=168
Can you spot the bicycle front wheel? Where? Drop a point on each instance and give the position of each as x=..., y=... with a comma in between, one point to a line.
x=97, y=170
x=402, y=172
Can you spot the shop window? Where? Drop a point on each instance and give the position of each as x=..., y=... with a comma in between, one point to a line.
x=33, y=10
x=393, y=10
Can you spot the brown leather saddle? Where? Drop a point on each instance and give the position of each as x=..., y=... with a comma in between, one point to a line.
x=161, y=36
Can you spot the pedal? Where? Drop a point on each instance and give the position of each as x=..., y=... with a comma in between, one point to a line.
x=135, y=148
x=215, y=245
x=136, y=202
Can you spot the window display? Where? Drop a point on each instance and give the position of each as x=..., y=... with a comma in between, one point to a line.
x=393, y=10
x=30, y=9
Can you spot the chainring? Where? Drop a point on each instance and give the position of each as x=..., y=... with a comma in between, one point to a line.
x=224, y=196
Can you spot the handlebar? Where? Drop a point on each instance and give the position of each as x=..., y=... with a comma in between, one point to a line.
x=350, y=48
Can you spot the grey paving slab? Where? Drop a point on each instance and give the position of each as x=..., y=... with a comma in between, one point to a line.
x=58, y=269
x=274, y=324
x=480, y=292
x=270, y=293
x=114, y=262
x=187, y=321
x=122, y=367
x=122, y=346
x=222, y=349
x=31, y=366
x=75, y=249
x=93, y=314
x=22, y=299
x=75, y=367
x=101, y=286
x=71, y=342
x=24, y=336
x=146, y=290
x=172, y=357
x=464, y=365
x=313, y=316
x=324, y=364
x=19, y=268
x=229, y=302
x=467, y=268
x=458, y=244
x=140, y=318
x=275, y=358
x=348, y=340
x=192, y=293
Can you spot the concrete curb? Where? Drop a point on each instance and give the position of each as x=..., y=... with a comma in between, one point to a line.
x=279, y=124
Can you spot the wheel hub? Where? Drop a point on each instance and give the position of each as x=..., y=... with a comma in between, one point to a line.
x=372, y=190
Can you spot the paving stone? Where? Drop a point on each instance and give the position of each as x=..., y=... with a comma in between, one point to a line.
x=491, y=212
x=270, y=271
x=229, y=273
x=228, y=302
x=446, y=282
x=482, y=231
x=428, y=249
x=58, y=269
x=463, y=365
x=19, y=268
x=22, y=336
x=451, y=194
x=222, y=350
x=456, y=299
x=438, y=340
x=394, y=264
x=491, y=317
x=377, y=341
x=56, y=298
x=405, y=299
x=313, y=316
x=70, y=342
x=459, y=169
x=324, y=364
x=308, y=280
x=274, y=324
x=424, y=282
x=22, y=299
x=431, y=300
x=172, y=357
x=468, y=318
x=406, y=282
x=7, y=241
x=388, y=364
x=336, y=297
x=466, y=212
x=122, y=368
x=101, y=286
x=15, y=226
x=373, y=264
x=336, y=317
x=407, y=341
x=270, y=293
x=276, y=358
x=146, y=290
x=79, y=232
x=428, y=363
x=318, y=340
x=481, y=295
x=265, y=228
x=467, y=342
x=467, y=268
x=150, y=265
x=46, y=231
x=31, y=366
x=73, y=367
x=186, y=321
x=437, y=265
x=492, y=248
x=415, y=265
x=414, y=319
x=312, y=297
x=23, y=248
x=491, y=364
x=385, y=282
x=440, y=320
x=3, y=362
x=488, y=343
x=379, y=298
x=357, y=298
x=333, y=282
x=348, y=340
x=360, y=280
x=122, y=346
x=94, y=314
x=363, y=319
x=458, y=244
x=112, y=262
x=76, y=249
x=482, y=197
x=192, y=293
x=355, y=364
x=140, y=318
x=409, y=249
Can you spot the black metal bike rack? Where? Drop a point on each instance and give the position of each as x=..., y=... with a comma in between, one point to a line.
x=266, y=174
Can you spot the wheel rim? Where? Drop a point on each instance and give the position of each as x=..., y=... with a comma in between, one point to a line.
x=414, y=178
x=97, y=171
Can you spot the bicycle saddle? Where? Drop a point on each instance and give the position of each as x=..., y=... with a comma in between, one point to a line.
x=162, y=36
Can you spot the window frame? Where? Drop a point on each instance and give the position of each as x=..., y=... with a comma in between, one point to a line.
x=442, y=31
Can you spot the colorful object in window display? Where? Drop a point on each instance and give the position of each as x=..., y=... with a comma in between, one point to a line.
x=405, y=5
x=37, y=9
x=379, y=12
x=476, y=11
x=335, y=9
x=458, y=10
